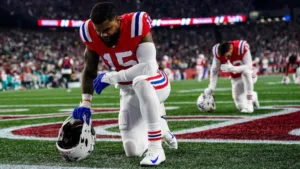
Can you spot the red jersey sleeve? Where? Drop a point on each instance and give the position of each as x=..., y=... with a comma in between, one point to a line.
x=243, y=47
x=84, y=34
x=140, y=24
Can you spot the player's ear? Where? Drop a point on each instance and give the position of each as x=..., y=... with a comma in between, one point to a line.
x=118, y=18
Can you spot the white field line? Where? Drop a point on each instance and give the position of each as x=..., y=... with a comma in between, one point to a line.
x=116, y=104
x=11, y=166
x=112, y=97
x=6, y=133
x=12, y=110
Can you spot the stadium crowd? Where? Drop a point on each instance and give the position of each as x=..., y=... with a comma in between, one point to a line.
x=29, y=57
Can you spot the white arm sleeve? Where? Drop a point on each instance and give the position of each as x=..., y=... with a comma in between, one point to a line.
x=146, y=55
x=214, y=73
x=247, y=60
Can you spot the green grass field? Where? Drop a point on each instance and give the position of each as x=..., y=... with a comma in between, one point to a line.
x=211, y=154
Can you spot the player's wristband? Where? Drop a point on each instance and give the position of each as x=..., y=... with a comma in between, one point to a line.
x=87, y=97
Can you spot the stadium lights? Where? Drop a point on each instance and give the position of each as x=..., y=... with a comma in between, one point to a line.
x=217, y=20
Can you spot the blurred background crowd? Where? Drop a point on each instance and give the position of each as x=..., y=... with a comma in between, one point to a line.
x=29, y=56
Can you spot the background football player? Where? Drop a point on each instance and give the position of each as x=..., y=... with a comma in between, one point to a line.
x=125, y=44
x=293, y=62
x=235, y=57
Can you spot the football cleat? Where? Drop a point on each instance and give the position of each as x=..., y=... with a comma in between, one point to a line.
x=153, y=157
x=248, y=109
x=170, y=140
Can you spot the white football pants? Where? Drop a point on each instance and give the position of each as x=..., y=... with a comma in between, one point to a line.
x=132, y=126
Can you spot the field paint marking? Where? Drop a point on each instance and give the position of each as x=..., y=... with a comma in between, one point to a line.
x=273, y=83
x=54, y=98
x=238, y=141
x=167, y=108
x=10, y=166
x=233, y=122
x=116, y=104
x=6, y=132
x=12, y=110
x=201, y=89
x=66, y=113
x=109, y=97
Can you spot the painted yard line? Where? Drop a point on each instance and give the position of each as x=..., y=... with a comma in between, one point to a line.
x=238, y=141
x=115, y=104
x=55, y=98
x=10, y=166
x=232, y=122
x=169, y=118
x=103, y=97
x=12, y=110
x=41, y=116
x=6, y=132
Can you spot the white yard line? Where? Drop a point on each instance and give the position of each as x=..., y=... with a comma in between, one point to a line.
x=11, y=166
x=116, y=104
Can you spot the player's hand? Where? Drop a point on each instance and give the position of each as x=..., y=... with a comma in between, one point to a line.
x=98, y=84
x=83, y=110
x=227, y=67
x=286, y=79
x=208, y=91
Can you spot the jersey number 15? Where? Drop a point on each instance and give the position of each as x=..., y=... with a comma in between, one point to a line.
x=119, y=59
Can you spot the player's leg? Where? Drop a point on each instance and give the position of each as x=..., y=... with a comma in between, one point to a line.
x=66, y=79
x=248, y=88
x=151, y=112
x=238, y=93
x=163, y=88
x=199, y=73
x=168, y=137
x=255, y=95
x=132, y=126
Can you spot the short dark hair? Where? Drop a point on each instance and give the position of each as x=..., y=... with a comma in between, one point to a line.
x=103, y=11
x=223, y=48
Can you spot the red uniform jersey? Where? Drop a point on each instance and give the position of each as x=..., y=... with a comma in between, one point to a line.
x=240, y=47
x=200, y=62
x=133, y=28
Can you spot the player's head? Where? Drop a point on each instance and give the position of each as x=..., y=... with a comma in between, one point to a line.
x=225, y=50
x=106, y=22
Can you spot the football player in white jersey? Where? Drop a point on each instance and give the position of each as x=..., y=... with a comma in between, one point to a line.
x=235, y=57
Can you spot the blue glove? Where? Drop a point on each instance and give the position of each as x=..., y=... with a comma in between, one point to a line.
x=98, y=84
x=79, y=112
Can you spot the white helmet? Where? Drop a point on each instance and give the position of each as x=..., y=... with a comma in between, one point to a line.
x=206, y=103
x=76, y=139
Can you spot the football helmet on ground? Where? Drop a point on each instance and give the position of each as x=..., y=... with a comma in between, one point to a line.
x=76, y=139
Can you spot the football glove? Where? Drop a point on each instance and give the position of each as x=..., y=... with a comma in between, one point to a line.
x=208, y=91
x=98, y=84
x=83, y=110
x=227, y=67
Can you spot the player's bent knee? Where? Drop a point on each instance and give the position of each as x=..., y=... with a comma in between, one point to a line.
x=139, y=79
x=132, y=149
x=247, y=73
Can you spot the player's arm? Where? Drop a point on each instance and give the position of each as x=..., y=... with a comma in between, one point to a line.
x=89, y=73
x=247, y=60
x=214, y=71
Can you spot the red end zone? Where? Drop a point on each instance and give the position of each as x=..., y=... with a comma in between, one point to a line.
x=273, y=128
